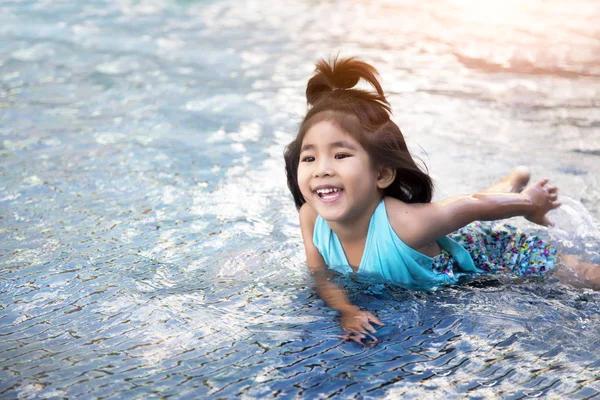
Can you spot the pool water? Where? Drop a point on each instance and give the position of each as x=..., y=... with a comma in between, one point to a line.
x=149, y=245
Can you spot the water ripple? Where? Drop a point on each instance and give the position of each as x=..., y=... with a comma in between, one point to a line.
x=150, y=246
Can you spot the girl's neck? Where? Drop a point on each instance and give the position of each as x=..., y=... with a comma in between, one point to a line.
x=357, y=228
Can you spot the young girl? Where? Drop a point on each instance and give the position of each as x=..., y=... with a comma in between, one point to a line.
x=365, y=206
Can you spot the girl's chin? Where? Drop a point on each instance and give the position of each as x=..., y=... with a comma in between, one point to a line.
x=329, y=213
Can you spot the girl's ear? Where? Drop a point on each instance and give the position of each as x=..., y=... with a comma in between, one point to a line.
x=386, y=177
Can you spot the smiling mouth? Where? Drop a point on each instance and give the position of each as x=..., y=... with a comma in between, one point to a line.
x=329, y=194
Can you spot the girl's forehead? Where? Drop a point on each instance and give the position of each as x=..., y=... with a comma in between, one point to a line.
x=327, y=131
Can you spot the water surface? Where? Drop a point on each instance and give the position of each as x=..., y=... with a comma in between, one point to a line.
x=150, y=247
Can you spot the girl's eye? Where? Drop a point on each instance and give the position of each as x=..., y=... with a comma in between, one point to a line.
x=308, y=159
x=340, y=156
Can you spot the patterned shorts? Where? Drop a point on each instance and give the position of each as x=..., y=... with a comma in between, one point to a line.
x=497, y=248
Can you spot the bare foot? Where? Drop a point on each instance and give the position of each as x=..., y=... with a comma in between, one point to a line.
x=514, y=182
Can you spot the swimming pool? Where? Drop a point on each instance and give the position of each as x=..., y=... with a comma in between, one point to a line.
x=150, y=247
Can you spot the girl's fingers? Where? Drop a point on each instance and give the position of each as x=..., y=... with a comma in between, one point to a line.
x=374, y=319
x=351, y=336
x=364, y=327
x=361, y=326
x=355, y=332
x=373, y=338
x=359, y=330
x=542, y=182
x=357, y=339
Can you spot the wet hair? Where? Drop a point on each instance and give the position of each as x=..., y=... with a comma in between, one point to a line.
x=365, y=115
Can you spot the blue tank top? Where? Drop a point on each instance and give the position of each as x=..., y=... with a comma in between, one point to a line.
x=386, y=257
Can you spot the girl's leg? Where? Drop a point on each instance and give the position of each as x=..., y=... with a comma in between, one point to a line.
x=513, y=182
x=576, y=272
x=570, y=269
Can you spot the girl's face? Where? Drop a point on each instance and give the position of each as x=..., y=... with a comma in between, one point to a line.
x=336, y=175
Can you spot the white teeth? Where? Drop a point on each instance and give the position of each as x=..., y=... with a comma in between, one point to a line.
x=328, y=190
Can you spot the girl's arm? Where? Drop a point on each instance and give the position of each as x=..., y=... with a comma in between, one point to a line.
x=420, y=224
x=353, y=320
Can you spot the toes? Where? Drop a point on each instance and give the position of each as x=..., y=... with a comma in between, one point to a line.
x=519, y=178
x=521, y=173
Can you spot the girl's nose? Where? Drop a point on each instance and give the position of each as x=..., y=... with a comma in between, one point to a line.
x=323, y=170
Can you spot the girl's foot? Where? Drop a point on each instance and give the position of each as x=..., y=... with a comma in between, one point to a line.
x=514, y=182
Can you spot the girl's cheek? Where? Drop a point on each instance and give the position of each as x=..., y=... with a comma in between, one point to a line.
x=302, y=172
x=301, y=177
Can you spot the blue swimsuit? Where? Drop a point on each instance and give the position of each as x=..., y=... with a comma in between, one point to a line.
x=386, y=257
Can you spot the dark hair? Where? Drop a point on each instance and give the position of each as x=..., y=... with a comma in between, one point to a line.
x=365, y=115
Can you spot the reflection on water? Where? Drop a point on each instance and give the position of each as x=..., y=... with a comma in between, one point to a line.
x=150, y=247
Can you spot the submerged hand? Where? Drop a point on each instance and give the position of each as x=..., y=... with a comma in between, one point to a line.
x=358, y=324
x=544, y=198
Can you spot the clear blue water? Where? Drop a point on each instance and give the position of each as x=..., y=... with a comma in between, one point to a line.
x=149, y=247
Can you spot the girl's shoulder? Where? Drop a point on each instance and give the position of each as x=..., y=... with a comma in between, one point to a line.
x=397, y=211
x=395, y=207
x=403, y=218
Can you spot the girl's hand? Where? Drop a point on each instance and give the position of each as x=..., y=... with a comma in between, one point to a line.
x=358, y=324
x=544, y=198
